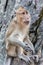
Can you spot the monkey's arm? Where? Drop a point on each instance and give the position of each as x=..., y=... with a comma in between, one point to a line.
x=17, y=42
x=10, y=29
x=27, y=45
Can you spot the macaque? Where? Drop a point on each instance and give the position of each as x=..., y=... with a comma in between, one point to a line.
x=16, y=37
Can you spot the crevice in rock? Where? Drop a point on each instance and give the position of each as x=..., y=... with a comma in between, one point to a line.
x=6, y=5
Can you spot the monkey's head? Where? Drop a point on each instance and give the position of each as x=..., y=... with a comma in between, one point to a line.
x=23, y=16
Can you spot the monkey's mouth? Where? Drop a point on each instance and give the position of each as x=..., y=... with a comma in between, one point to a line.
x=26, y=22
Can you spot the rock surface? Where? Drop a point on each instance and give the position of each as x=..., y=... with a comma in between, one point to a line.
x=7, y=9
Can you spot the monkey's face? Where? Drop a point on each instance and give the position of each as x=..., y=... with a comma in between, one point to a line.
x=23, y=16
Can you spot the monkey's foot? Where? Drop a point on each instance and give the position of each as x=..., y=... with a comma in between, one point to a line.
x=35, y=58
x=25, y=58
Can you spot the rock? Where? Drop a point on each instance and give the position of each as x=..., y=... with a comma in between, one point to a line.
x=7, y=9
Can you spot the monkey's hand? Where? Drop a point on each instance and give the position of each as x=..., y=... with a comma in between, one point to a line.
x=29, y=47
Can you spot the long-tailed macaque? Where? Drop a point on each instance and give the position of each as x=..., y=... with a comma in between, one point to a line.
x=16, y=37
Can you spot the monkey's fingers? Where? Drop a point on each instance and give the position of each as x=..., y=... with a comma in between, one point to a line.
x=27, y=48
x=29, y=60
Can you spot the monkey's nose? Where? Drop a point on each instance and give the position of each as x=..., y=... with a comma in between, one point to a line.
x=27, y=18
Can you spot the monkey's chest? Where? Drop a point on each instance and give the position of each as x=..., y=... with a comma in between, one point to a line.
x=19, y=35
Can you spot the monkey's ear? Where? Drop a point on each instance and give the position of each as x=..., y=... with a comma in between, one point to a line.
x=15, y=20
x=13, y=15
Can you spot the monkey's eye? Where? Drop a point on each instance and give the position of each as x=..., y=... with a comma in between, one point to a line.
x=23, y=12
